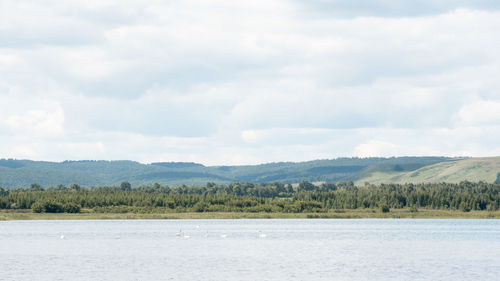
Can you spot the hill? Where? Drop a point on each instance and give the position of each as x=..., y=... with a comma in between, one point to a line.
x=22, y=173
x=453, y=171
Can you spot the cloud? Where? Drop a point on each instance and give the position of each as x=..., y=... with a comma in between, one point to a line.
x=382, y=8
x=376, y=149
x=481, y=112
x=38, y=122
x=227, y=82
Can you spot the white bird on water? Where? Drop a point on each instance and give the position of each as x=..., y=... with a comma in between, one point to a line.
x=223, y=235
x=62, y=237
x=262, y=235
x=186, y=236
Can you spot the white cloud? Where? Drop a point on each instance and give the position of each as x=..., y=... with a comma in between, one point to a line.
x=38, y=122
x=481, y=112
x=376, y=149
x=43, y=118
x=226, y=82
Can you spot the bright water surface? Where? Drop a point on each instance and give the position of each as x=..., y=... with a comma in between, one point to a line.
x=365, y=249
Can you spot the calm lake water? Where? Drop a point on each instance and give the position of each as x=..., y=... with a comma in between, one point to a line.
x=365, y=249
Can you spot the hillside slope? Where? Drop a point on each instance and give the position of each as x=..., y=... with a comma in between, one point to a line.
x=22, y=173
x=471, y=169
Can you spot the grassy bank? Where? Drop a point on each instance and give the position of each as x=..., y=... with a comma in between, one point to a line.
x=337, y=214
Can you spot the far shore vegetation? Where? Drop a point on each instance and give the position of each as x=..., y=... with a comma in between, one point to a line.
x=336, y=214
x=249, y=200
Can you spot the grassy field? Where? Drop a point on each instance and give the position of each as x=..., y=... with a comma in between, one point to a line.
x=471, y=169
x=337, y=214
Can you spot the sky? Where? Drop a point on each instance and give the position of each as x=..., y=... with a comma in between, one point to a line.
x=224, y=82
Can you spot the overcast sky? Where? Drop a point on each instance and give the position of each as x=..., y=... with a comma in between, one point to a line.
x=244, y=82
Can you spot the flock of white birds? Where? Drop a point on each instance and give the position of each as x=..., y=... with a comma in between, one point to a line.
x=185, y=235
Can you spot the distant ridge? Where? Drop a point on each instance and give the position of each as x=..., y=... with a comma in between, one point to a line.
x=177, y=164
x=471, y=169
x=376, y=170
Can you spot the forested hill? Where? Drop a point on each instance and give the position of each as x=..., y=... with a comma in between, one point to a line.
x=22, y=173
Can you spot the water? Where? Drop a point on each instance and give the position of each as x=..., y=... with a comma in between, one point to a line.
x=365, y=249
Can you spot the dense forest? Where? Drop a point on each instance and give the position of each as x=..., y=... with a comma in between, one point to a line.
x=251, y=197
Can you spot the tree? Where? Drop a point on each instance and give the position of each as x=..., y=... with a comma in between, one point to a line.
x=4, y=191
x=306, y=186
x=384, y=208
x=36, y=187
x=71, y=207
x=37, y=207
x=47, y=207
x=75, y=186
x=125, y=186
x=464, y=207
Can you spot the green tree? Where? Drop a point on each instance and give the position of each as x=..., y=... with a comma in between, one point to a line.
x=75, y=186
x=306, y=186
x=47, y=207
x=125, y=186
x=4, y=191
x=36, y=187
x=71, y=207
x=384, y=208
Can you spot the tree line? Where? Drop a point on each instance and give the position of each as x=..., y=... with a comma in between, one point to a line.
x=251, y=197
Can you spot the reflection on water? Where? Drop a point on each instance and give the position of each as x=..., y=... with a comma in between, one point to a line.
x=367, y=249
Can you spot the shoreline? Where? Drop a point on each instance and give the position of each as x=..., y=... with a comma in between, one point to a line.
x=9, y=215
